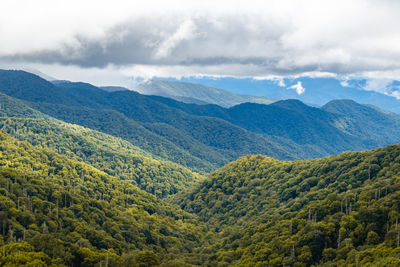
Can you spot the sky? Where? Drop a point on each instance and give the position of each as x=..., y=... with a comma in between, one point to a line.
x=122, y=42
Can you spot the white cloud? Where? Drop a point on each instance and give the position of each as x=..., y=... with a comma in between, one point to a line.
x=298, y=87
x=185, y=31
x=396, y=94
x=261, y=39
x=382, y=85
x=344, y=83
x=280, y=81
x=378, y=85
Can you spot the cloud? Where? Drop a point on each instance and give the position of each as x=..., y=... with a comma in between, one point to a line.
x=185, y=31
x=385, y=86
x=277, y=80
x=185, y=38
x=396, y=94
x=344, y=83
x=298, y=87
x=378, y=85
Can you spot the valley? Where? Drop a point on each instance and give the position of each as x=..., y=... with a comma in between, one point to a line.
x=95, y=177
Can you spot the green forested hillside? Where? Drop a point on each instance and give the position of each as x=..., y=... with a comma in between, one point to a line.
x=256, y=211
x=205, y=137
x=331, y=211
x=107, y=153
x=12, y=107
x=116, y=124
x=55, y=210
x=364, y=120
x=200, y=137
x=340, y=125
x=75, y=196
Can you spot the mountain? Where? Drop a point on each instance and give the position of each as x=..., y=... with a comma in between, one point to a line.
x=112, y=155
x=40, y=74
x=74, y=196
x=204, y=144
x=74, y=109
x=318, y=91
x=204, y=137
x=255, y=211
x=331, y=211
x=364, y=120
x=113, y=88
x=196, y=93
x=322, y=131
x=56, y=211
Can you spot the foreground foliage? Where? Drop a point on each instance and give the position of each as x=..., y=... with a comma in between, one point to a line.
x=55, y=210
x=260, y=212
x=332, y=211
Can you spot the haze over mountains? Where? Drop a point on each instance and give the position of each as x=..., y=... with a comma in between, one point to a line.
x=106, y=176
x=317, y=91
x=196, y=93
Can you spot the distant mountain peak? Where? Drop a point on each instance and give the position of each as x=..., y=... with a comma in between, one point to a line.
x=289, y=101
x=291, y=104
x=193, y=93
x=342, y=101
x=40, y=74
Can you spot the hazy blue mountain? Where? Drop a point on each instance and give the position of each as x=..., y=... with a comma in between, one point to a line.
x=318, y=91
x=204, y=143
x=364, y=120
x=326, y=128
x=113, y=88
x=197, y=93
x=203, y=137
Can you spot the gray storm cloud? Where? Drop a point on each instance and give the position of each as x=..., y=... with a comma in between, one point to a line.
x=264, y=39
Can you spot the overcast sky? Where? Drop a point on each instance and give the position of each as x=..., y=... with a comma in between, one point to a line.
x=115, y=42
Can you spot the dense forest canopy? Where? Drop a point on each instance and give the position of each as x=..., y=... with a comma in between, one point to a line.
x=331, y=211
x=73, y=214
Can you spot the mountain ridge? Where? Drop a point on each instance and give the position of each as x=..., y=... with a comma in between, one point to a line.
x=285, y=130
x=73, y=196
x=320, y=212
x=318, y=91
x=196, y=93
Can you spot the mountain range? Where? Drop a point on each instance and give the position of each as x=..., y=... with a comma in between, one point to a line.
x=313, y=90
x=95, y=176
x=205, y=137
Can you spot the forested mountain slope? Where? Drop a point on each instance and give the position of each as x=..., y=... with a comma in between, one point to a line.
x=206, y=142
x=325, y=129
x=332, y=211
x=107, y=153
x=204, y=137
x=364, y=120
x=65, y=212
x=72, y=196
x=197, y=93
